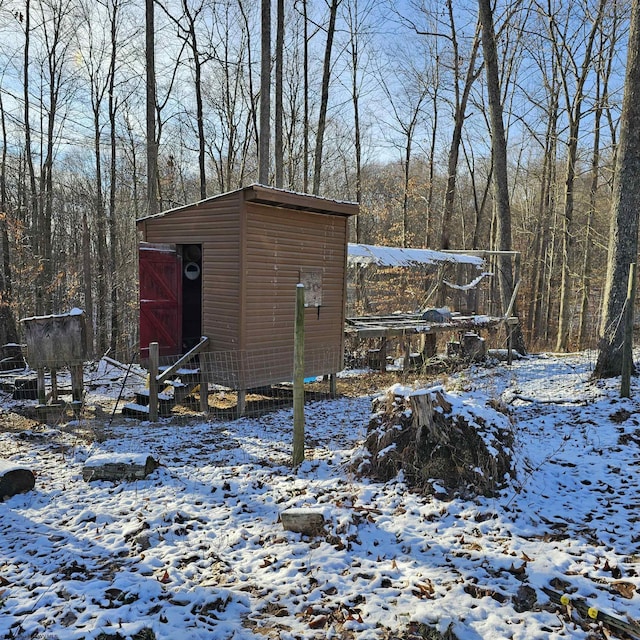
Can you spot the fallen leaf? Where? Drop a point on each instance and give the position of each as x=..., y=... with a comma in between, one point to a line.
x=165, y=578
x=625, y=589
x=423, y=590
x=518, y=571
x=318, y=622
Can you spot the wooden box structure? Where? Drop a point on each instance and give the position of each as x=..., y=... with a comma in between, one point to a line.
x=227, y=268
x=56, y=341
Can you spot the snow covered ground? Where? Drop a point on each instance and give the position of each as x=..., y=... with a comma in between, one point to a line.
x=197, y=549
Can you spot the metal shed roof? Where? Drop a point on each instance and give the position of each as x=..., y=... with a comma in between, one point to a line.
x=275, y=197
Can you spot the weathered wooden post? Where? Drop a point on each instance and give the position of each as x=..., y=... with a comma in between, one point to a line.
x=42, y=390
x=298, y=379
x=204, y=392
x=154, y=365
x=627, y=346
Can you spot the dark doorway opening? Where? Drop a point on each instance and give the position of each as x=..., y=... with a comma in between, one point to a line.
x=191, y=295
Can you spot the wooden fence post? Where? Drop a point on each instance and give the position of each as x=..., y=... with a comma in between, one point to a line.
x=298, y=379
x=154, y=365
x=627, y=346
x=42, y=390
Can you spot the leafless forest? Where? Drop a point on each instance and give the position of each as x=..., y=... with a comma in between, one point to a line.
x=381, y=102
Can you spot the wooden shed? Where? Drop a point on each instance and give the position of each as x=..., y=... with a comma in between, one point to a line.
x=227, y=268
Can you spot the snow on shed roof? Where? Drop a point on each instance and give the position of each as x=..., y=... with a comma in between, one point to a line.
x=366, y=254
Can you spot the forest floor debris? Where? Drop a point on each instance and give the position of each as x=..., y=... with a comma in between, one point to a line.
x=198, y=548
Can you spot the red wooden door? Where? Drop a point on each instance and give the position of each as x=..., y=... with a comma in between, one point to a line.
x=160, y=298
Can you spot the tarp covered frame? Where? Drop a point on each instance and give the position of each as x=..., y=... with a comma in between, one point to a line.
x=369, y=254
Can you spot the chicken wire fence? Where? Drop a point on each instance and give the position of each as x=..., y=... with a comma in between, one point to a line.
x=250, y=384
x=247, y=382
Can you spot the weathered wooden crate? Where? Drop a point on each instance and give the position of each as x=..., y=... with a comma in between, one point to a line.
x=56, y=340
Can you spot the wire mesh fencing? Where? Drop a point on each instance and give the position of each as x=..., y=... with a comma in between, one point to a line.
x=246, y=382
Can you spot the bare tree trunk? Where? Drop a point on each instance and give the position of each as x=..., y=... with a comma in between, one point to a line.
x=87, y=270
x=405, y=190
x=499, y=155
x=623, y=239
x=188, y=33
x=253, y=115
x=33, y=201
x=197, y=86
x=428, y=235
x=8, y=328
x=588, y=243
x=461, y=101
x=152, y=145
x=113, y=222
x=357, y=15
x=101, y=236
x=305, y=63
x=575, y=116
x=133, y=161
x=55, y=21
x=542, y=230
x=279, y=156
x=355, y=98
x=479, y=203
x=407, y=108
x=324, y=98
x=265, y=95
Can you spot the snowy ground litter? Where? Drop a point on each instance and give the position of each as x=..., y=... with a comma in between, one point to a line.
x=197, y=550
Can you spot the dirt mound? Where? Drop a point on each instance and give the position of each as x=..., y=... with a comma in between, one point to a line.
x=440, y=443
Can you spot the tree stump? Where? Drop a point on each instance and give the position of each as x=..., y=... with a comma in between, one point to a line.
x=119, y=466
x=14, y=479
x=442, y=443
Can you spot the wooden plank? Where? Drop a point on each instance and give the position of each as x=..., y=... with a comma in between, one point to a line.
x=629, y=627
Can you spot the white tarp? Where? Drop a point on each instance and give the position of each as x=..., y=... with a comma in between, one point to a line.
x=365, y=254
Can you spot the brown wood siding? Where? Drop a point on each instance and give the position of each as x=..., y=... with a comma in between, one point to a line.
x=215, y=225
x=279, y=243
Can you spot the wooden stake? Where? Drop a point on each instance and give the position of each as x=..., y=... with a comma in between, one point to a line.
x=298, y=379
x=627, y=346
x=42, y=391
x=154, y=364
